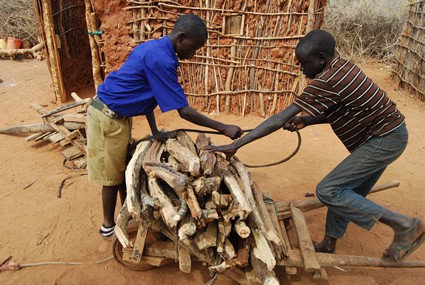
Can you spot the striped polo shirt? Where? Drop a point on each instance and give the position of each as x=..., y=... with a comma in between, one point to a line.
x=355, y=107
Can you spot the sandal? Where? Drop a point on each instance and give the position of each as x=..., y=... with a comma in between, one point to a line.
x=401, y=248
x=106, y=232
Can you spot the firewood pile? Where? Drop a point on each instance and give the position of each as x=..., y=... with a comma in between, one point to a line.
x=64, y=125
x=205, y=204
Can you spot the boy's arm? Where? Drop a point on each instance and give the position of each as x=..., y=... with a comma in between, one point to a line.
x=154, y=129
x=195, y=117
x=267, y=127
x=300, y=122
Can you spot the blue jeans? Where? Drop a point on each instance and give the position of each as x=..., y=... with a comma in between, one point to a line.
x=344, y=189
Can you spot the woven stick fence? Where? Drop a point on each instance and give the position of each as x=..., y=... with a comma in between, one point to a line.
x=247, y=64
x=409, y=71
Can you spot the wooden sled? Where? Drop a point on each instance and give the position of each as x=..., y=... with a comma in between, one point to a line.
x=155, y=245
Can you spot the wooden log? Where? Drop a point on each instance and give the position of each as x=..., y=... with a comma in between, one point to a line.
x=24, y=129
x=284, y=210
x=311, y=263
x=163, y=202
x=281, y=249
x=184, y=156
x=132, y=179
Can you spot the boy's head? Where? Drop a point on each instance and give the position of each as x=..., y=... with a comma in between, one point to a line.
x=314, y=50
x=188, y=35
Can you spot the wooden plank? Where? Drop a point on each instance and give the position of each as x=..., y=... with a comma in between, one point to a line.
x=162, y=249
x=327, y=259
x=139, y=243
x=54, y=138
x=60, y=129
x=63, y=108
x=185, y=262
x=290, y=270
x=43, y=136
x=33, y=136
x=71, y=153
x=311, y=263
x=79, y=118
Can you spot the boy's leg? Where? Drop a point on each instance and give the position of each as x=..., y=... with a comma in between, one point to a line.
x=109, y=200
x=343, y=189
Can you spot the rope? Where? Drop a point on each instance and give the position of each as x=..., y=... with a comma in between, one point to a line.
x=151, y=137
x=64, y=262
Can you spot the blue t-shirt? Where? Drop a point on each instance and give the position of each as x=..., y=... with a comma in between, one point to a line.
x=148, y=78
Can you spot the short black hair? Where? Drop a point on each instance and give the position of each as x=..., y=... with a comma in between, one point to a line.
x=191, y=25
x=318, y=41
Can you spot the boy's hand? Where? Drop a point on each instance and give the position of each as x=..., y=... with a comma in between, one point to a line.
x=229, y=150
x=232, y=131
x=296, y=123
x=163, y=136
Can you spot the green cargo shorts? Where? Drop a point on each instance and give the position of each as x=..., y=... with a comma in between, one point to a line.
x=107, y=142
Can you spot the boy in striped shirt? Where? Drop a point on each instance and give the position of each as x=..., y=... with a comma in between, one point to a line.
x=370, y=126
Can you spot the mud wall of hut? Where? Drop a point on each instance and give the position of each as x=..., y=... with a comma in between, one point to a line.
x=409, y=71
x=248, y=63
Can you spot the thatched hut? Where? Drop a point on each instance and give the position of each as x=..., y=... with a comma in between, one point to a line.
x=247, y=65
x=409, y=71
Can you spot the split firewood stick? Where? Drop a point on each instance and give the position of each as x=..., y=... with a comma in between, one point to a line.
x=177, y=166
x=187, y=227
x=242, y=229
x=207, y=158
x=192, y=202
x=238, y=194
x=206, y=185
x=163, y=202
x=132, y=179
x=284, y=210
x=209, y=215
x=264, y=275
x=241, y=259
x=208, y=238
x=262, y=252
x=175, y=179
x=270, y=233
x=221, y=200
x=243, y=174
x=233, y=273
x=184, y=156
x=220, y=166
x=186, y=141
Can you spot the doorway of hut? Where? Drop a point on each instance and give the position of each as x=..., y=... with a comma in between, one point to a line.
x=63, y=30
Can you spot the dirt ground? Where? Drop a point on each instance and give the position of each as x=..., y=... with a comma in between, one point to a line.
x=36, y=226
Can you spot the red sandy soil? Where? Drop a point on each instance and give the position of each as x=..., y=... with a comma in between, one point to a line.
x=37, y=226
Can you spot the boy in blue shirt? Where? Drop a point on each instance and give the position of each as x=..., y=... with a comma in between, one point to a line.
x=148, y=78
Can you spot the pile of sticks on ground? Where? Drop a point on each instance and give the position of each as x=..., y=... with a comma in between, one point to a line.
x=209, y=206
x=64, y=125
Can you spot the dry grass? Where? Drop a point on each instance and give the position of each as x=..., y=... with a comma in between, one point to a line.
x=366, y=29
x=17, y=19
